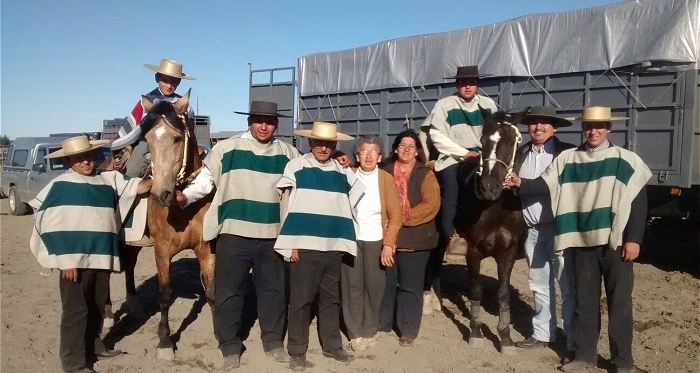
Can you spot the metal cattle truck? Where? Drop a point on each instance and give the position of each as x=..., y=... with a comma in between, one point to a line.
x=639, y=57
x=202, y=128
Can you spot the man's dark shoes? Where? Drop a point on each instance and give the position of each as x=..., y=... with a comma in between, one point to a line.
x=106, y=354
x=231, y=361
x=297, y=362
x=406, y=341
x=83, y=370
x=339, y=354
x=278, y=354
x=576, y=366
x=531, y=343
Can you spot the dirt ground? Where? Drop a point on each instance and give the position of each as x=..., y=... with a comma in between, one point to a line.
x=666, y=326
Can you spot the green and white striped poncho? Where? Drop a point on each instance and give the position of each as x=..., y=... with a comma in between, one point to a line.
x=246, y=172
x=321, y=208
x=591, y=195
x=78, y=220
x=459, y=120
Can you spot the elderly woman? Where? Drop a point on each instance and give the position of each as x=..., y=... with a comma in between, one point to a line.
x=419, y=194
x=379, y=219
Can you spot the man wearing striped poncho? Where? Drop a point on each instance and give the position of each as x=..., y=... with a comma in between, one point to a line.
x=319, y=227
x=245, y=216
x=599, y=204
x=77, y=230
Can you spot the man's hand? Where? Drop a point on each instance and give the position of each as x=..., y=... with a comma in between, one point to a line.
x=343, y=159
x=295, y=256
x=630, y=251
x=144, y=186
x=70, y=274
x=387, y=257
x=471, y=156
x=512, y=180
x=180, y=198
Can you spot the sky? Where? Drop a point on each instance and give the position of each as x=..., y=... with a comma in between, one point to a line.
x=68, y=65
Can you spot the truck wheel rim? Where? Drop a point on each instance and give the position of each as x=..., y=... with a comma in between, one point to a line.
x=12, y=200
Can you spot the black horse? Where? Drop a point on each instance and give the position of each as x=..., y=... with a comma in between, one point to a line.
x=491, y=220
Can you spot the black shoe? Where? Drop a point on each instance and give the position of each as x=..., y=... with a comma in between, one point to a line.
x=339, y=354
x=576, y=365
x=531, y=343
x=278, y=354
x=106, y=354
x=406, y=341
x=569, y=357
x=83, y=370
x=297, y=362
x=231, y=362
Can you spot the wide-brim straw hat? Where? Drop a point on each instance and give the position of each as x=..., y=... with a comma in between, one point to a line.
x=597, y=114
x=265, y=108
x=169, y=68
x=76, y=145
x=468, y=72
x=324, y=131
x=546, y=112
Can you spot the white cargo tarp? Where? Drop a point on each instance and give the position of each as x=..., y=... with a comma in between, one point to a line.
x=599, y=38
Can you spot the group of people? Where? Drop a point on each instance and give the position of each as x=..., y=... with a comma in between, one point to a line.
x=363, y=241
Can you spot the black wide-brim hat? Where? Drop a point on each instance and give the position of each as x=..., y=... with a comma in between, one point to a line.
x=547, y=112
x=468, y=72
x=265, y=108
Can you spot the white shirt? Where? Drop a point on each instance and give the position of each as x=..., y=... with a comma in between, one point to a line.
x=369, y=209
x=537, y=208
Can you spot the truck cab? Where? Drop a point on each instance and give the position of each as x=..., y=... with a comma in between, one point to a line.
x=26, y=171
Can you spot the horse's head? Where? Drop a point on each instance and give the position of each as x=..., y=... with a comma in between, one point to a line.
x=499, y=141
x=166, y=128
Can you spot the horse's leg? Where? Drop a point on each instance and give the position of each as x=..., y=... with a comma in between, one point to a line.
x=476, y=339
x=205, y=255
x=165, y=299
x=505, y=267
x=130, y=257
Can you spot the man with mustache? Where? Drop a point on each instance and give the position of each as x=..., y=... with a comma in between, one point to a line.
x=598, y=199
x=545, y=266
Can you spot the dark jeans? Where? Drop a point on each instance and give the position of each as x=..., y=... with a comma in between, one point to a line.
x=589, y=265
x=362, y=287
x=453, y=181
x=404, y=293
x=235, y=256
x=316, y=272
x=83, y=305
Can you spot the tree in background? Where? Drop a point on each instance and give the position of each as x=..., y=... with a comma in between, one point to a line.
x=4, y=141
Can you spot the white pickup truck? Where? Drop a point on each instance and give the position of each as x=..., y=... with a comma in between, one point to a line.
x=26, y=171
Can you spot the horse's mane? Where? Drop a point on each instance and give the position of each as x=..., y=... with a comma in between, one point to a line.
x=162, y=108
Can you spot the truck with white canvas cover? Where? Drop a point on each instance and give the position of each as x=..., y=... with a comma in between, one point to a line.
x=640, y=58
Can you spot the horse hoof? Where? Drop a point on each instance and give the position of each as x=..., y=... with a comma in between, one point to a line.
x=508, y=350
x=476, y=342
x=107, y=323
x=165, y=353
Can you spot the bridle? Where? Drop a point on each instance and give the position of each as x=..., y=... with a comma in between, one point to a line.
x=181, y=180
x=508, y=166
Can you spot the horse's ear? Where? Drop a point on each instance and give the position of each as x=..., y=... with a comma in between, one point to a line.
x=518, y=118
x=146, y=103
x=485, y=113
x=181, y=104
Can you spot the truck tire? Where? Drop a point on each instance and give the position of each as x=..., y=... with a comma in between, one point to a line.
x=17, y=207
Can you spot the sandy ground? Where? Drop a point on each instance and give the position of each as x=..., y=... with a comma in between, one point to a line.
x=666, y=337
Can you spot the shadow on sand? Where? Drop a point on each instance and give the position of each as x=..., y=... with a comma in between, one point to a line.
x=185, y=279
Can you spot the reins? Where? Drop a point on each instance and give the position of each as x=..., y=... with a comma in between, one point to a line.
x=509, y=167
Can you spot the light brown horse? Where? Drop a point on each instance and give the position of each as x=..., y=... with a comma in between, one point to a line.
x=175, y=160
